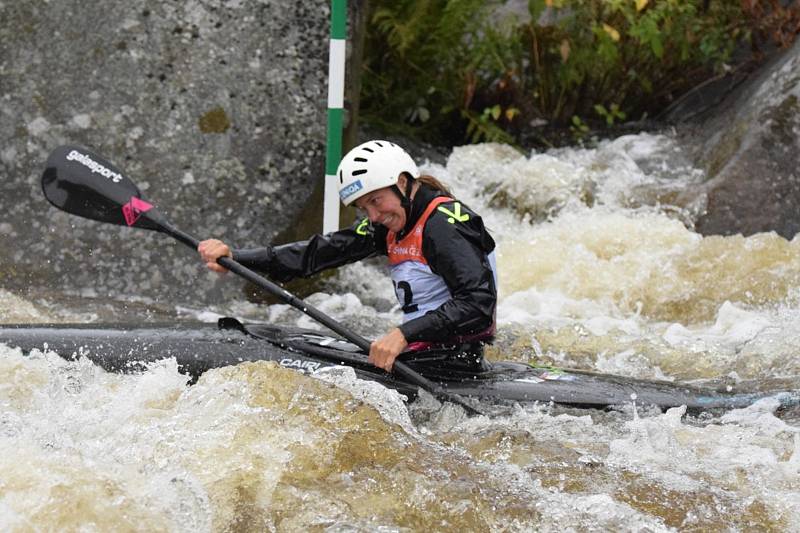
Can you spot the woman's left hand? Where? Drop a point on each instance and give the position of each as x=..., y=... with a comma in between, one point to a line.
x=385, y=350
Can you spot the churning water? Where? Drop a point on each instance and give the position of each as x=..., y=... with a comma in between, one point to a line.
x=599, y=269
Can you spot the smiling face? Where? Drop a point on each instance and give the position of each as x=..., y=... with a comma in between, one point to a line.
x=383, y=206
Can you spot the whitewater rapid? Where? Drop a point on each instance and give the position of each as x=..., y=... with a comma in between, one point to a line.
x=600, y=269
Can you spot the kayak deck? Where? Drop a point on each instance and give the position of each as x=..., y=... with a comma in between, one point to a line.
x=200, y=347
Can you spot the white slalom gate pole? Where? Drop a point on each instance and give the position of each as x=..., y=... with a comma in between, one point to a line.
x=333, y=152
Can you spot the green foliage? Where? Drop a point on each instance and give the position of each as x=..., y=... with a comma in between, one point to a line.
x=578, y=128
x=451, y=71
x=416, y=58
x=611, y=114
x=485, y=127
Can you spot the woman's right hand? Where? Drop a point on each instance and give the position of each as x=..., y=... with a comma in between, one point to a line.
x=211, y=250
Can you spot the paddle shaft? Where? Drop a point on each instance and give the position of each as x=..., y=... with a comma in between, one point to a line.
x=275, y=290
x=399, y=367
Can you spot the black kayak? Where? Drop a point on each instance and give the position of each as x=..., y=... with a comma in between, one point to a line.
x=198, y=347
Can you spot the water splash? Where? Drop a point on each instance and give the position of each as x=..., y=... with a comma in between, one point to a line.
x=599, y=269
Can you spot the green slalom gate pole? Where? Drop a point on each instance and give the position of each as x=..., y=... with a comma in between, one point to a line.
x=333, y=153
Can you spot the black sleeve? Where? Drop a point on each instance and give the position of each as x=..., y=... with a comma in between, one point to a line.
x=320, y=252
x=457, y=250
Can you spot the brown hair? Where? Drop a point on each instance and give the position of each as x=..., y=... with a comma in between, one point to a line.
x=434, y=183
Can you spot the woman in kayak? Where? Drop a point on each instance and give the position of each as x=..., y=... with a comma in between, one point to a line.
x=440, y=254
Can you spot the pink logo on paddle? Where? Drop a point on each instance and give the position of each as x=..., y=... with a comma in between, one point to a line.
x=134, y=209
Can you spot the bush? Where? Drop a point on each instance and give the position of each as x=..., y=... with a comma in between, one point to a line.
x=451, y=71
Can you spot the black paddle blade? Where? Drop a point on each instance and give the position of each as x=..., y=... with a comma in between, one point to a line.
x=82, y=183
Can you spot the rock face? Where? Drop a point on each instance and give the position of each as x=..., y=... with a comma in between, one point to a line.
x=750, y=147
x=215, y=109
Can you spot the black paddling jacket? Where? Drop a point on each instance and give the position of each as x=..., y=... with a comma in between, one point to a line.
x=455, y=251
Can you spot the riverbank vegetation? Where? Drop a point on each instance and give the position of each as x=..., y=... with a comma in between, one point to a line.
x=544, y=72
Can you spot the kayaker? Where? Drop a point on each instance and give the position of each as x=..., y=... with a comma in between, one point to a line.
x=440, y=254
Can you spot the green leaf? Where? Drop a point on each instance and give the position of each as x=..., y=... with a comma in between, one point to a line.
x=536, y=8
x=424, y=114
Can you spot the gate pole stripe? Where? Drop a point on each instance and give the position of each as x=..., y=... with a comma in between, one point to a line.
x=333, y=151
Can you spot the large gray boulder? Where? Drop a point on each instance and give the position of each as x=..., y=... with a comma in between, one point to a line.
x=749, y=147
x=215, y=109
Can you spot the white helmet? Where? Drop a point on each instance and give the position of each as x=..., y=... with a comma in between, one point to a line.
x=372, y=166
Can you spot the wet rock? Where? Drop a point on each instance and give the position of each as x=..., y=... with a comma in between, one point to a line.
x=217, y=110
x=748, y=145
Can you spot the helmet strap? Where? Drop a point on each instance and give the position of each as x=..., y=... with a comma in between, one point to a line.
x=405, y=199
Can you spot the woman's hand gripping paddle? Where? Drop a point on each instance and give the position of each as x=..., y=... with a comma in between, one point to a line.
x=82, y=183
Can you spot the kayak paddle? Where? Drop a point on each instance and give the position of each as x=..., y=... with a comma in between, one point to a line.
x=85, y=184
